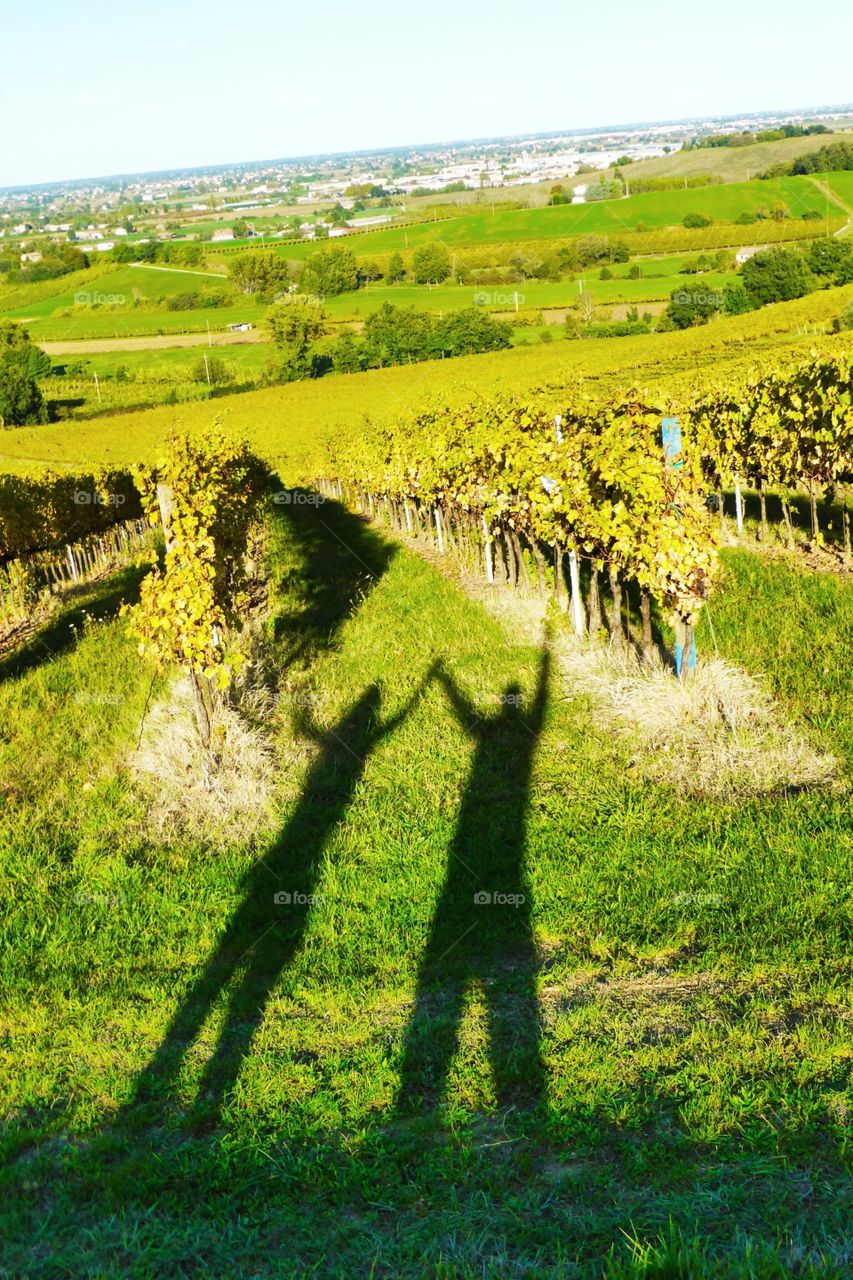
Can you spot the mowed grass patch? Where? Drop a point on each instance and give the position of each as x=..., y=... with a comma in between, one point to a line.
x=377, y=1071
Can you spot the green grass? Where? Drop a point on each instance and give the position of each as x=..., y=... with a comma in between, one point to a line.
x=653, y=210
x=660, y=276
x=57, y=317
x=60, y=315
x=392, y=1080
x=733, y=164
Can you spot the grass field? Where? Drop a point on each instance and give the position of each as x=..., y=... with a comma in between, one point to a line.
x=652, y=210
x=67, y=312
x=660, y=277
x=57, y=317
x=733, y=164
x=384, y=1077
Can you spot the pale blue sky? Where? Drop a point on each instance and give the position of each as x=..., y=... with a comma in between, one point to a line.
x=98, y=87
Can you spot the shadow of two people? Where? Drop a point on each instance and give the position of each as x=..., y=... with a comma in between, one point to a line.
x=481, y=927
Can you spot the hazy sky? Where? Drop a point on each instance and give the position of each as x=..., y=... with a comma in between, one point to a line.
x=98, y=87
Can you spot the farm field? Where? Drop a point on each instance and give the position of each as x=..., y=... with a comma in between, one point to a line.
x=652, y=210
x=841, y=186
x=660, y=277
x=285, y=422
x=426, y=611
x=59, y=318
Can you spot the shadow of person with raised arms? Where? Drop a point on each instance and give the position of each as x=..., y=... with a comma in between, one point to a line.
x=267, y=929
x=481, y=928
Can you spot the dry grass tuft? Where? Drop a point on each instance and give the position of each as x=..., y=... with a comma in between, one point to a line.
x=720, y=733
x=222, y=795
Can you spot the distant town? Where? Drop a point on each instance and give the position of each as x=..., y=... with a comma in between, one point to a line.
x=291, y=198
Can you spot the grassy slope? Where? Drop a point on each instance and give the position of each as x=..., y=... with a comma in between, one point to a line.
x=56, y=318
x=692, y=1060
x=655, y=211
x=734, y=164
x=286, y=423
x=652, y=209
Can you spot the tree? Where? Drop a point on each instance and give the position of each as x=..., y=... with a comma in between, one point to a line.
x=827, y=256
x=776, y=275
x=471, y=330
x=396, y=269
x=261, y=273
x=431, y=263
x=212, y=370
x=694, y=221
x=346, y=356
x=295, y=326
x=688, y=307
x=736, y=300
x=21, y=362
x=396, y=335
x=332, y=271
x=17, y=347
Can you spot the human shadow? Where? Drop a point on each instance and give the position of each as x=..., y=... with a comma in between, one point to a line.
x=482, y=925
x=277, y=896
x=332, y=560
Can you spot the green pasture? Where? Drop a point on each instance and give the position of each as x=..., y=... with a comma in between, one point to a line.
x=650, y=210
x=58, y=317
x=841, y=186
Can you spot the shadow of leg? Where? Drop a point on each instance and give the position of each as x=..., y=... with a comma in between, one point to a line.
x=431, y=1040
x=515, y=1035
